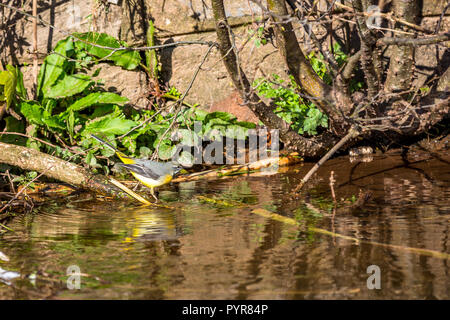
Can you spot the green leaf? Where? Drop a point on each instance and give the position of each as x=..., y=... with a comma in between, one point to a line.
x=108, y=125
x=145, y=152
x=54, y=66
x=32, y=143
x=166, y=150
x=97, y=98
x=32, y=112
x=13, y=125
x=200, y=114
x=245, y=124
x=237, y=132
x=35, y=114
x=20, y=87
x=69, y=85
x=187, y=137
x=130, y=143
x=8, y=79
x=225, y=116
x=127, y=59
x=71, y=123
x=90, y=159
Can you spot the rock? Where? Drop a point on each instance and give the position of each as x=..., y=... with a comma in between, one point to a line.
x=234, y=105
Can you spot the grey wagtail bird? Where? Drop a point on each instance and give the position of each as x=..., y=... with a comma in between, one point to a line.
x=152, y=174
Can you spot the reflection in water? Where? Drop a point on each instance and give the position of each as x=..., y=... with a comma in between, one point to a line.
x=220, y=250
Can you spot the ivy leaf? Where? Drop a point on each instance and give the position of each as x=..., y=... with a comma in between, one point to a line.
x=90, y=159
x=69, y=85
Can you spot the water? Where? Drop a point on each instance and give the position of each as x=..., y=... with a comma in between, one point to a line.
x=219, y=249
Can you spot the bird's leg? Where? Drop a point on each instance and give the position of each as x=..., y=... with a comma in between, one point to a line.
x=152, y=191
x=136, y=186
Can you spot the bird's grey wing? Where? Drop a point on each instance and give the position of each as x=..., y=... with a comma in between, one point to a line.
x=142, y=170
x=160, y=168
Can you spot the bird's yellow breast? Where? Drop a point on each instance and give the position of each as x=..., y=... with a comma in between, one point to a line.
x=149, y=182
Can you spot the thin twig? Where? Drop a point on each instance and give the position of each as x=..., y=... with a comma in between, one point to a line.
x=21, y=191
x=352, y=133
x=28, y=136
x=180, y=101
x=332, y=181
x=414, y=41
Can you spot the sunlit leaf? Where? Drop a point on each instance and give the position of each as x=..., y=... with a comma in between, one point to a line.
x=33, y=112
x=20, y=87
x=54, y=66
x=97, y=98
x=108, y=125
x=223, y=116
x=125, y=58
x=69, y=85
x=8, y=79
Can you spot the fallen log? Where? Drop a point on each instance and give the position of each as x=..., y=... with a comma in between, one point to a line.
x=61, y=170
x=274, y=162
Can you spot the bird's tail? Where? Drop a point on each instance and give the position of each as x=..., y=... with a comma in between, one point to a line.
x=121, y=155
x=104, y=142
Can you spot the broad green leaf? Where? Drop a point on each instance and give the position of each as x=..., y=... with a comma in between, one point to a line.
x=108, y=125
x=54, y=66
x=237, y=132
x=130, y=143
x=32, y=143
x=101, y=110
x=200, y=114
x=166, y=150
x=245, y=124
x=53, y=122
x=145, y=152
x=71, y=123
x=97, y=98
x=68, y=86
x=90, y=159
x=20, y=87
x=34, y=113
x=125, y=58
x=8, y=79
x=225, y=116
x=216, y=123
x=13, y=125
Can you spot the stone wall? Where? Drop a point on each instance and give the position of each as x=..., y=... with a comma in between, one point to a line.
x=175, y=20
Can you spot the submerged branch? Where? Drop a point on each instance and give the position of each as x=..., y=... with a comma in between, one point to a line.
x=290, y=221
x=353, y=133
